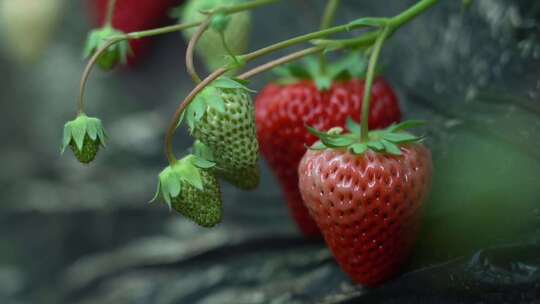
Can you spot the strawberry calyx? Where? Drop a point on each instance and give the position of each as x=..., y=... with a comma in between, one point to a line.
x=352, y=66
x=210, y=98
x=75, y=131
x=387, y=140
x=188, y=169
x=114, y=54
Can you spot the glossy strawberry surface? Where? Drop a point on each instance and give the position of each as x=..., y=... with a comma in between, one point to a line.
x=367, y=206
x=283, y=111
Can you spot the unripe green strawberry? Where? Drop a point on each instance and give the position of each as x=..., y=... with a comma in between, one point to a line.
x=192, y=190
x=210, y=46
x=84, y=135
x=116, y=53
x=222, y=118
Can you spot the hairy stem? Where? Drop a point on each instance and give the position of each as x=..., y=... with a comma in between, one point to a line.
x=88, y=69
x=369, y=81
x=327, y=20
x=190, y=66
x=280, y=61
x=110, y=12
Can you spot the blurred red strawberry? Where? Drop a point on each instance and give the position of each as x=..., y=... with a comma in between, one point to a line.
x=134, y=15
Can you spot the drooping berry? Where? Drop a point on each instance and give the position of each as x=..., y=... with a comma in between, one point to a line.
x=84, y=135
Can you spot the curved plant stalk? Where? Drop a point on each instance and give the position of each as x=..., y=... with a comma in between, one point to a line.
x=176, y=117
x=190, y=66
x=227, y=10
x=377, y=38
x=88, y=69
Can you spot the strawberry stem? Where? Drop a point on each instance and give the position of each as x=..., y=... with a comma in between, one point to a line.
x=172, y=127
x=281, y=61
x=369, y=81
x=190, y=66
x=110, y=12
x=327, y=20
x=88, y=69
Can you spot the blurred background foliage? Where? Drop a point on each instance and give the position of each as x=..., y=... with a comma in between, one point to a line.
x=74, y=234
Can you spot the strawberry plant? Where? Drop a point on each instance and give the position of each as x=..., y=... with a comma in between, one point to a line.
x=362, y=184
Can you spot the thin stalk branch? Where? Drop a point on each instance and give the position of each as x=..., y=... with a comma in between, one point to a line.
x=190, y=66
x=88, y=69
x=280, y=61
x=369, y=82
x=110, y=12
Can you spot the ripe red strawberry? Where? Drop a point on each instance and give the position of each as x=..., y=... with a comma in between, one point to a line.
x=366, y=198
x=134, y=15
x=282, y=111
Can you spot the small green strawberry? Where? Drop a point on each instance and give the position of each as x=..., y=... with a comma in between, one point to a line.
x=192, y=190
x=84, y=135
x=114, y=54
x=222, y=118
x=234, y=28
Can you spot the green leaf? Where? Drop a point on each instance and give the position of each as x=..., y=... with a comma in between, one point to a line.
x=391, y=148
x=191, y=175
x=375, y=145
x=401, y=137
x=358, y=148
x=409, y=124
x=353, y=126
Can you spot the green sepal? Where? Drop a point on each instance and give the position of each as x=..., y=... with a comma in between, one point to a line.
x=387, y=141
x=209, y=97
x=409, y=124
x=375, y=145
x=351, y=66
x=76, y=130
x=97, y=39
x=229, y=83
x=171, y=178
x=390, y=147
x=201, y=150
x=358, y=148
